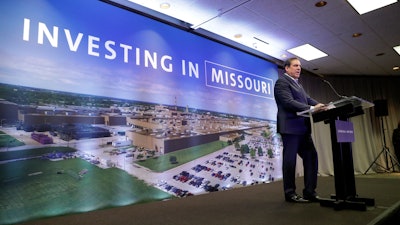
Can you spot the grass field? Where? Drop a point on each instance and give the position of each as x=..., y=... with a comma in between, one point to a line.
x=38, y=188
x=183, y=156
x=8, y=141
x=31, y=153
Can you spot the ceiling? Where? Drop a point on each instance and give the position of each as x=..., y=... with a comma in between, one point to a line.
x=269, y=27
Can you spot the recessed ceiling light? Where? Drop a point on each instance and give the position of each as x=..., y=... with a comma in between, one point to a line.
x=321, y=4
x=362, y=6
x=396, y=68
x=238, y=35
x=397, y=49
x=165, y=5
x=307, y=52
x=355, y=35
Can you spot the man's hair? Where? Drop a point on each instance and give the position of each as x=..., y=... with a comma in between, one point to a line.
x=288, y=62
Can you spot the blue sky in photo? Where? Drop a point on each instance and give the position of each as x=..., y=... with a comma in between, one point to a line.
x=114, y=64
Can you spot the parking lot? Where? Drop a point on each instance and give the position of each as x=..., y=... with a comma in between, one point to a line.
x=221, y=170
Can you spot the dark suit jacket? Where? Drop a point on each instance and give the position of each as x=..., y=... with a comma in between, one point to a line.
x=290, y=99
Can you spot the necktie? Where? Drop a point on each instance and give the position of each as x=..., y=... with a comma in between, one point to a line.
x=301, y=90
x=297, y=82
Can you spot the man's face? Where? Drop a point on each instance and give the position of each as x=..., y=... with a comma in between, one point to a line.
x=294, y=69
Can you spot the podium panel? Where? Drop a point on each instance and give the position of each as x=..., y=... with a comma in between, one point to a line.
x=341, y=110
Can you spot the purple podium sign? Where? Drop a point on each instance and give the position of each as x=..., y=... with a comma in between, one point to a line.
x=344, y=131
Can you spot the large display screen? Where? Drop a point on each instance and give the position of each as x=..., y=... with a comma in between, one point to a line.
x=102, y=107
x=92, y=48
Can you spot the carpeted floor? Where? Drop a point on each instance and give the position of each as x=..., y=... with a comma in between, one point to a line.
x=254, y=205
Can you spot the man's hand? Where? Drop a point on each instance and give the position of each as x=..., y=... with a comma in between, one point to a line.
x=320, y=107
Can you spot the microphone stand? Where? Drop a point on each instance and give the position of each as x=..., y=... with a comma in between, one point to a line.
x=386, y=152
x=333, y=89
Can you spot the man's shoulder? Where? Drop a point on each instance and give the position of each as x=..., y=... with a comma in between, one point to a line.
x=283, y=78
x=281, y=83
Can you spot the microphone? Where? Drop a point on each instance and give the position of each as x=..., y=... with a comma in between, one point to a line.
x=333, y=89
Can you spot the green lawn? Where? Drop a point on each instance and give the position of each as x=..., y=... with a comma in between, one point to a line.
x=38, y=188
x=8, y=141
x=30, y=153
x=183, y=156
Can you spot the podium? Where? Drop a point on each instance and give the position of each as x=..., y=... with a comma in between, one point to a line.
x=342, y=134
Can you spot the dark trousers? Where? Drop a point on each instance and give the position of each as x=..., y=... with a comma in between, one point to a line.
x=303, y=146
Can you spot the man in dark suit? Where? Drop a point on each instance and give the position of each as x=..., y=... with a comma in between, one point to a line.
x=295, y=131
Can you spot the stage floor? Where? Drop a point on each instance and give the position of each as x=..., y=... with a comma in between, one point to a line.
x=253, y=205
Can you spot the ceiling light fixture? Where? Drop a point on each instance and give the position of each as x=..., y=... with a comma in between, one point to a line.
x=362, y=6
x=165, y=5
x=356, y=35
x=397, y=49
x=321, y=4
x=307, y=52
x=396, y=68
